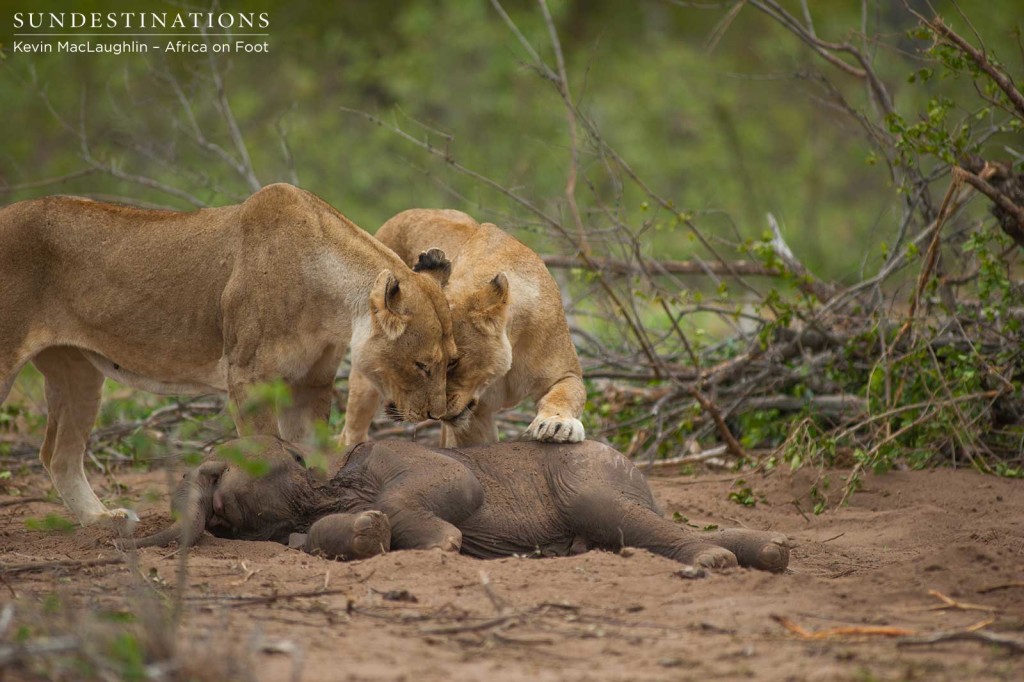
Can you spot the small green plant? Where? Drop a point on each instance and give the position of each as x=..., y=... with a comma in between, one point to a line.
x=744, y=496
x=51, y=523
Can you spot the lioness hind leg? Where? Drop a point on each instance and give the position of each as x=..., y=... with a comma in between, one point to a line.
x=73, y=399
x=10, y=366
x=7, y=377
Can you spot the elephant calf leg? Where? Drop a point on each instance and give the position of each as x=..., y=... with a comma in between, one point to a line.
x=754, y=548
x=414, y=528
x=346, y=536
x=611, y=521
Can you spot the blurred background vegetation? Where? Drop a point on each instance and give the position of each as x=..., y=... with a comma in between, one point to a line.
x=719, y=108
x=730, y=123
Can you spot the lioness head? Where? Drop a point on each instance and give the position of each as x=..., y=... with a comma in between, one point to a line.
x=480, y=319
x=406, y=349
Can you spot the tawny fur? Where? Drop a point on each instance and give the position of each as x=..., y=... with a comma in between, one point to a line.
x=510, y=330
x=219, y=299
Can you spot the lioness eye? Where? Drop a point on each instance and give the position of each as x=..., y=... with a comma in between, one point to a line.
x=423, y=368
x=452, y=364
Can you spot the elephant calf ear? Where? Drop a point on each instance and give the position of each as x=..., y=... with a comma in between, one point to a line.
x=385, y=306
x=433, y=262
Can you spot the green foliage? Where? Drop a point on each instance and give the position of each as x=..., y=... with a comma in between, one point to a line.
x=744, y=495
x=271, y=395
x=128, y=654
x=51, y=523
x=245, y=455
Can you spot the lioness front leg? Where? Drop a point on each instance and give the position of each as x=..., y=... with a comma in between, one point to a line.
x=311, y=397
x=558, y=413
x=253, y=414
x=363, y=401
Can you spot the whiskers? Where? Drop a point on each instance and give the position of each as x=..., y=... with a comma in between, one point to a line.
x=393, y=413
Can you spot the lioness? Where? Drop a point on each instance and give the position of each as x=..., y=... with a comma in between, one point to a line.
x=276, y=287
x=510, y=330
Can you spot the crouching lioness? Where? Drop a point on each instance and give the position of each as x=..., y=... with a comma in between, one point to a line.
x=510, y=330
x=218, y=299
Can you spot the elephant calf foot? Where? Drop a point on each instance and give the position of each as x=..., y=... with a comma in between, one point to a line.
x=450, y=543
x=754, y=548
x=703, y=554
x=347, y=536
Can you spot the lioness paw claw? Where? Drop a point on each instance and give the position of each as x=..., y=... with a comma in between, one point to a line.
x=556, y=430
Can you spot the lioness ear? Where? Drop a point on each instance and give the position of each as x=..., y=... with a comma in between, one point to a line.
x=498, y=289
x=385, y=306
x=490, y=311
x=434, y=263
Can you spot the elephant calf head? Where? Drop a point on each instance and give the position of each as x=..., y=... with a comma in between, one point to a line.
x=248, y=490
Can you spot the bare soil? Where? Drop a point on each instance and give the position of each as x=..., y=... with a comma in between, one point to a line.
x=260, y=611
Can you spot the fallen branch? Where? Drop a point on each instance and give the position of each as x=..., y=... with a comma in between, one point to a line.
x=950, y=603
x=246, y=600
x=618, y=266
x=731, y=443
x=24, y=500
x=66, y=563
x=1004, y=586
x=1011, y=643
x=842, y=631
x=806, y=281
x=48, y=645
x=690, y=459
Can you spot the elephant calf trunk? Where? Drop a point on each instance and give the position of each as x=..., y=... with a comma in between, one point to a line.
x=191, y=505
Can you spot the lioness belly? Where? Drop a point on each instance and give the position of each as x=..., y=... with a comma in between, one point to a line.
x=190, y=381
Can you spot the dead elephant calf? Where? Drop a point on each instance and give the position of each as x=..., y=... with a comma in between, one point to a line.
x=526, y=498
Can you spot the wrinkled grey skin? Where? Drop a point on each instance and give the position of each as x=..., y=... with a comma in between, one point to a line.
x=527, y=498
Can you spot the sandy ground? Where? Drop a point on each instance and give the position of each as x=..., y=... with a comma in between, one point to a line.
x=261, y=611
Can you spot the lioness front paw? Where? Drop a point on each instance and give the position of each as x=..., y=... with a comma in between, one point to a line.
x=556, y=430
x=121, y=521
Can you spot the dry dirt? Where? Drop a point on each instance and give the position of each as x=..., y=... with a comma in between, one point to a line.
x=261, y=611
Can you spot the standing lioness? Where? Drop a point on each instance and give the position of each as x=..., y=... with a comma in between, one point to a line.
x=276, y=287
x=510, y=330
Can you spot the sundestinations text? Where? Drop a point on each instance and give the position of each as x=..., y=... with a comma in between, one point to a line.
x=141, y=20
